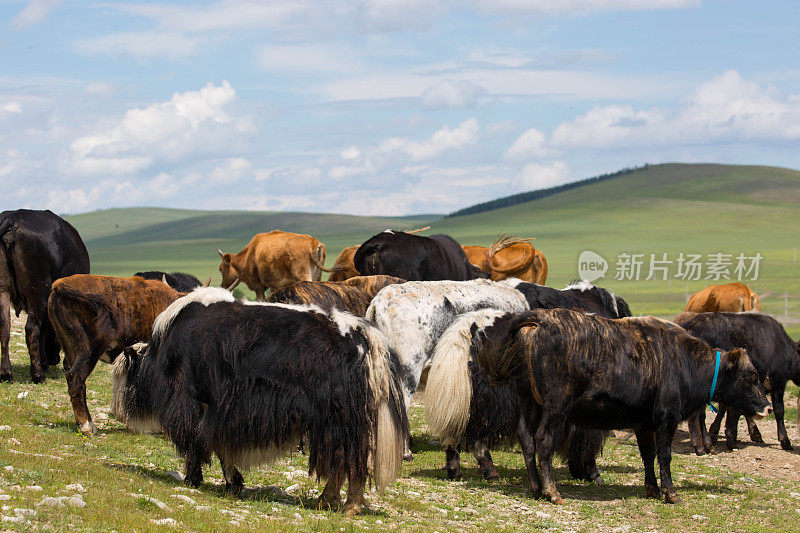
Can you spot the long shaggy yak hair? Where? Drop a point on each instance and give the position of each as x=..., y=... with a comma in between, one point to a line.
x=352, y=295
x=246, y=381
x=462, y=405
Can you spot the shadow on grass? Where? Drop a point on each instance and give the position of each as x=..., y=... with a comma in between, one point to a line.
x=268, y=493
x=514, y=483
x=682, y=444
x=22, y=372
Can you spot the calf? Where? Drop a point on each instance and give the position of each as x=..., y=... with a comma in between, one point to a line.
x=413, y=257
x=344, y=268
x=352, y=295
x=775, y=356
x=36, y=248
x=246, y=381
x=95, y=318
x=641, y=373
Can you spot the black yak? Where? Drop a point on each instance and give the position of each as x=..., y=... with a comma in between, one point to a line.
x=246, y=381
x=774, y=354
x=352, y=295
x=36, y=248
x=180, y=281
x=641, y=373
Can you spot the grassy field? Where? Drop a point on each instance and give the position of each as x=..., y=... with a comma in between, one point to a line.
x=126, y=481
x=673, y=208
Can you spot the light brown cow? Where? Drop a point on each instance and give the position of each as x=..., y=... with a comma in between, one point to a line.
x=732, y=297
x=95, y=318
x=510, y=257
x=274, y=260
x=344, y=268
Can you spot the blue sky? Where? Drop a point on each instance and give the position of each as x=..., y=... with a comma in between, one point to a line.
x=380, y=106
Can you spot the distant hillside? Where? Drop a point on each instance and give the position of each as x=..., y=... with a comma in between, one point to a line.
x=519, y=198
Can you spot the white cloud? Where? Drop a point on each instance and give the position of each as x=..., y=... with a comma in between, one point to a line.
x=312, y=58
x=188, y=123
x=232, y=171
x=529, y=144
x=534, y=176
x=350, y=153
x=575, y=7
x=727, y=108
x=169, y=45
x=10, y=108
x=446, y=138
x=453, y=94
x=34, y=13
x=100, y=88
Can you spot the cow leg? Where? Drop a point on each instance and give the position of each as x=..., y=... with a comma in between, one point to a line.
x=713, y=430
x=194, y=468
x=732, y=429
x=234, y=482
x=646, y=439
x=694, y=424
x=331, y=498
x=76, y=384
x=528, y=446
x=708, y=446
x=33, y=338
x=452, y=463
x=777, y=408
x=551, y=427
x=485, y=463
x=5, y=337
x=355, y=503
x=260, y=295
x=664, y=449
x=582, y=450
x=52, y=350
x=752, y=429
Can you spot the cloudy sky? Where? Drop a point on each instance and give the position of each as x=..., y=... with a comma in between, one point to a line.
x=380, y=106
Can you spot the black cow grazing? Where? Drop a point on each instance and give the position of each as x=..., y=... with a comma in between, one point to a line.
x=180, y=281
x=415, y=258
x=774, y=354
x=460, y=407
x=581, y=296
x=641, y=373
x=36, y=248
x=246, y=381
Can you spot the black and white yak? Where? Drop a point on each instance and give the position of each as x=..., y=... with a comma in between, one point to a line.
x=246, y=381
x=642, y=373
x=462, y=406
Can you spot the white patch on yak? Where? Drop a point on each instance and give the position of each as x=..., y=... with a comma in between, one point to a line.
x=300, y=308
x=203, y=295
x=581, y=286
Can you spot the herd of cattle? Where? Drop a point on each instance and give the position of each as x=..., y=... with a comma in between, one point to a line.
x=333, y=365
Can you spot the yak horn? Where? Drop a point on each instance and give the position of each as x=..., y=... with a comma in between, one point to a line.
x=164, y=279
x=220, y=252
x=235, y=283
x=207, y=283
x=411, y=232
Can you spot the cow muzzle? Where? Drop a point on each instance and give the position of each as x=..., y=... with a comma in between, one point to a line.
x=764, y=413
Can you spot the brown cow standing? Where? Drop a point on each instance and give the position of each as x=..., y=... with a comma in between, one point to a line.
x=274, y=260
x=731, y=297
x=510, y=257
x=96, y=317
x=344, y=268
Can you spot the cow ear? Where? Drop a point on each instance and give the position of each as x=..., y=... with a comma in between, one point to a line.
x=226, y=258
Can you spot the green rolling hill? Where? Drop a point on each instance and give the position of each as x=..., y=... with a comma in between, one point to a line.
x=670, y=208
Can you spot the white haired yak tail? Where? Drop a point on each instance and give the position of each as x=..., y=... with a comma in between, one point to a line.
x=391, y=425
x=448, y=393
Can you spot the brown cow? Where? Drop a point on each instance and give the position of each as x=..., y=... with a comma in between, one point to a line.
x=732, y=297
x=352, y=295
x=344, y=268
x=510, y=257
x=95, y=318
x=274, y=260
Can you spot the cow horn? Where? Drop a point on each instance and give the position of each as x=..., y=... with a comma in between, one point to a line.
x=220, y=252
x=164, y=279
x=235, y=283
x=208, y=282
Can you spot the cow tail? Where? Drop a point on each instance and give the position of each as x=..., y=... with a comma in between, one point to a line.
x=390, y=421
x=448, y=393
x=501, y=351
x=318, y=258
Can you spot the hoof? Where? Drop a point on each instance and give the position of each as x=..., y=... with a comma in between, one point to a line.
x=596, y=478
x=786, y=445
x=353, y=509
x=324, y=504
x=491, y=476
x=757, y=438
x=233, y=489
x=537, y=493
x=671, y=497
x=454, y=476
x=88, y=428
x=699, y=452
x=195, y=482
x=39, y=378
x=652, y=491
x=9, y=377
x=714, y=439
x=408, y=456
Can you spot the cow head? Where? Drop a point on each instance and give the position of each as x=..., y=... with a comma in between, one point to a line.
x=739, y=385
x=230, y=274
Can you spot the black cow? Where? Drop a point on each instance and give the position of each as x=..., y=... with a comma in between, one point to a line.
x=582, y=296
x=36, y=248
x=180, y=281
x=774, y=354
x=462, y=407
x=415, y=258
x=247, y=381
x=641, y=373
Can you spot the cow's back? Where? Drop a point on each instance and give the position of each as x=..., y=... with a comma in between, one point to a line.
x=478, y=256
x=281, y=255
x=730, y=297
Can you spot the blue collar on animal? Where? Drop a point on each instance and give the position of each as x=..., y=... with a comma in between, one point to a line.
x=714, y=383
